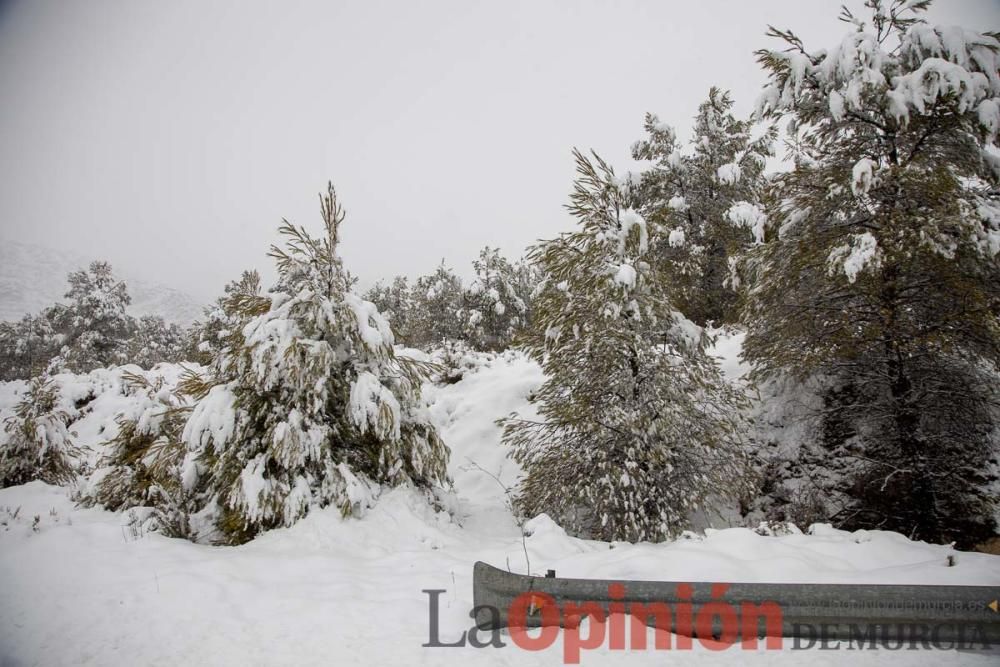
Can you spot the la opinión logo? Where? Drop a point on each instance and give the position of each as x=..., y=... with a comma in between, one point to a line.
x=717, y=624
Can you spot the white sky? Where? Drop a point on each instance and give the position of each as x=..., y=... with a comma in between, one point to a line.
x=171, y=137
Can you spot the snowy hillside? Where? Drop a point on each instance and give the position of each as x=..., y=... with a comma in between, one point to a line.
x=85, y=586
x=33, y=277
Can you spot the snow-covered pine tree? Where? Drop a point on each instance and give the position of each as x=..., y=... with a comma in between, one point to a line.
x=36, y=442
x=395, y=302
x=95, y=324
x=638, y=428
x=881, y=270
x=154, y=341
x=11, y=362
x=223, y=323
x=702, y=197
x=437, y=300
x=492, y=311
x=27, y=346
x=308, y=405
x=527, y=283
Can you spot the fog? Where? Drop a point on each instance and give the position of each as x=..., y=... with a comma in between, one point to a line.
x=171, y=137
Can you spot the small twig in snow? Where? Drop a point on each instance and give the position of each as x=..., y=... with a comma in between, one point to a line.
x=508, y=493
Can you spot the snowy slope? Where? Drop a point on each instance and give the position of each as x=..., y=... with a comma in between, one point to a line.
x=33, y=277
x=83, y=588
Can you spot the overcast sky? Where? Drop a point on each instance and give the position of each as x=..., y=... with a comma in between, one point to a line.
x=171, y=137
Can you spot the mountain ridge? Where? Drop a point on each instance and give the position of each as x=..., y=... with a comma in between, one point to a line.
x=33, y=277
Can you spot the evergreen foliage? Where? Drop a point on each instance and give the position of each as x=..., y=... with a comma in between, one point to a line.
x=527, y=283
x=28, y=345
x=638, y=428
x=395, y=302
x=438, y=311
x=224, y=322
x=308, y=404
x=93, y=330
x=436, y=305
x=881, y=276
x=704, y=198
x=493, y=310
x=95, y=324
x=36, y=441
x=154, y=341
x=145, y=455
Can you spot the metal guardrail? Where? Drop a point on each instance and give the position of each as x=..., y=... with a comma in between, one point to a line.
x=953, y=613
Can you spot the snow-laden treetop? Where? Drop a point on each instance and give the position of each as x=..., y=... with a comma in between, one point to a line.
x=893, y=67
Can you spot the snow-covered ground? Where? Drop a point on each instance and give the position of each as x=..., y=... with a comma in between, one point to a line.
x=79, y=586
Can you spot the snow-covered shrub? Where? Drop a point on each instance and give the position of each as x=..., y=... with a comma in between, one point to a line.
x=777, y=528
x=142, y=461
x=36, y=442
x=308, y=405
x=454, y=359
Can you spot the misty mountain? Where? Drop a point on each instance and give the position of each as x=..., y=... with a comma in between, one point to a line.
x=33, y=277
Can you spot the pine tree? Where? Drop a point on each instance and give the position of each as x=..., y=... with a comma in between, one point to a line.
x=437, y=302
x=701, y=197
x=527, y=281
x=27, y=346
x=92, y=331
x=153, y=341
x=395, y=302
x=94, y=323
x=308, y=405
x=493, y=311
x=880, y=276
x=637, y=427
x=241, y=301
x=37, y=443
